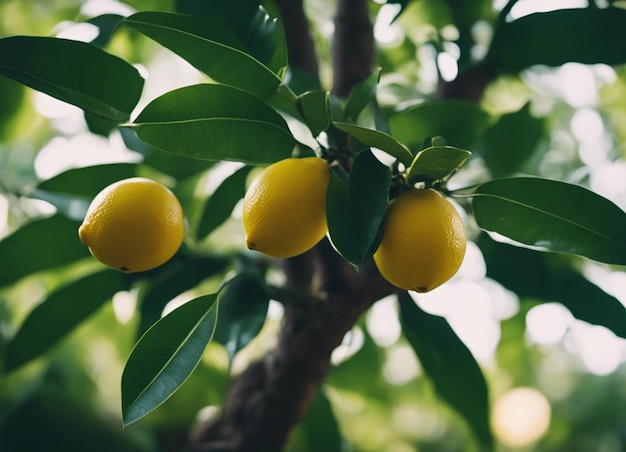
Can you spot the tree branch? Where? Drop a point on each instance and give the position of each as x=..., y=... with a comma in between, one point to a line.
x=273, y=395
x=353, y=46
x=300, y=46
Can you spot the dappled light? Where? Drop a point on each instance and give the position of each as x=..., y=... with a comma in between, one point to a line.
x=522, y=348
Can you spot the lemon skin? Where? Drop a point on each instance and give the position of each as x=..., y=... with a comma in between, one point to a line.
x=133, y=225
x=423, y=242
x=284, y=209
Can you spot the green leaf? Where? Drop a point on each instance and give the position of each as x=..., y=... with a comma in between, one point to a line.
x=176, y=276
x=460, y=122
x=262, y=35
x=454, y=372
x=209, y=47
x=545, y=277
x=62, y=311
x=215, y=122
x=243, y=307
x=437, y=163
x=107, y=23
x=360, y=96
x=314, y=108
x=319, y=430
x=554, y=38
x=165, y=356
x=379, y=140
x=177, y=166
x=105, y=86
x=355, y=210
x=40, y=245
x=221, y=203
x=71, y=192
x=88, y=181
x=511, y=141
x=553, y=215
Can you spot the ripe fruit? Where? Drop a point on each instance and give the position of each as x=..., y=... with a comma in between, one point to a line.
x=284, y=209
x=133, y=225
x=423, y=243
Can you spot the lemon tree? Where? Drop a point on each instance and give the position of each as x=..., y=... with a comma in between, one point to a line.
x=330, y=186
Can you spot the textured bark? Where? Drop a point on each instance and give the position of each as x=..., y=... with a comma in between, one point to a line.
x=328, y=296
x=272, y=396
x=353, y=46
x=300, y=46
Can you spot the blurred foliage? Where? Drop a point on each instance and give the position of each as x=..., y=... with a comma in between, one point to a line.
x=379, y=397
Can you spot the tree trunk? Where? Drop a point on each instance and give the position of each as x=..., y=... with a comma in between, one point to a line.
x=269, y=398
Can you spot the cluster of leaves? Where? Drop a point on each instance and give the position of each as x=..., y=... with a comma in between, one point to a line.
x=243, y=115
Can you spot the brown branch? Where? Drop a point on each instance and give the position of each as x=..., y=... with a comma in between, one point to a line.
x=273, y=395
x=353, y=46
x=300, y=46
x=270, y=397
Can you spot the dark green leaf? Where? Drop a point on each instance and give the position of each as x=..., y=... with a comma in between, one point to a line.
x=314, y=107
x=553, y=215
x=105, y=86
x=177, y=166
x=209, y=47
x=243, y=306
x=437, y=163
x=107, y=23
x=164, y=283
x=221, y=203
x=461, y=123
x=355, y=210
x=319, y=430
x=511, y=141
x=454, y=372
x=88, y=181
x=262, y=35
x=40, y=245
x=215, y=122
x=165, y=356
x=360, y=96
x=379, y=140
x=62, y=310
x=542, y=276
x=584, y=35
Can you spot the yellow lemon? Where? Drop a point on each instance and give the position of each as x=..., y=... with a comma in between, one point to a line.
x=133, y=225
x=423, y=242
x=284, y=209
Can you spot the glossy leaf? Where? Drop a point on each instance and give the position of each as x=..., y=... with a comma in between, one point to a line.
x=355, y=209
x=262, y=35
x=553, y=215
x=105, y=86
x=88, y=181
x=545, y=277
x=511, y=141
x=243, y=307
x=379, y=140
x=209, y=47
x=107, y=24
x=314, y=108
x=215, y=122
x=40, y=245
x=221, y=203
x=59, y=313
x=460, y=122
x=360, y=96
x=454, y=372
x=583, y=35
x=437, y=163
x=165, y=356
x=164, y=283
